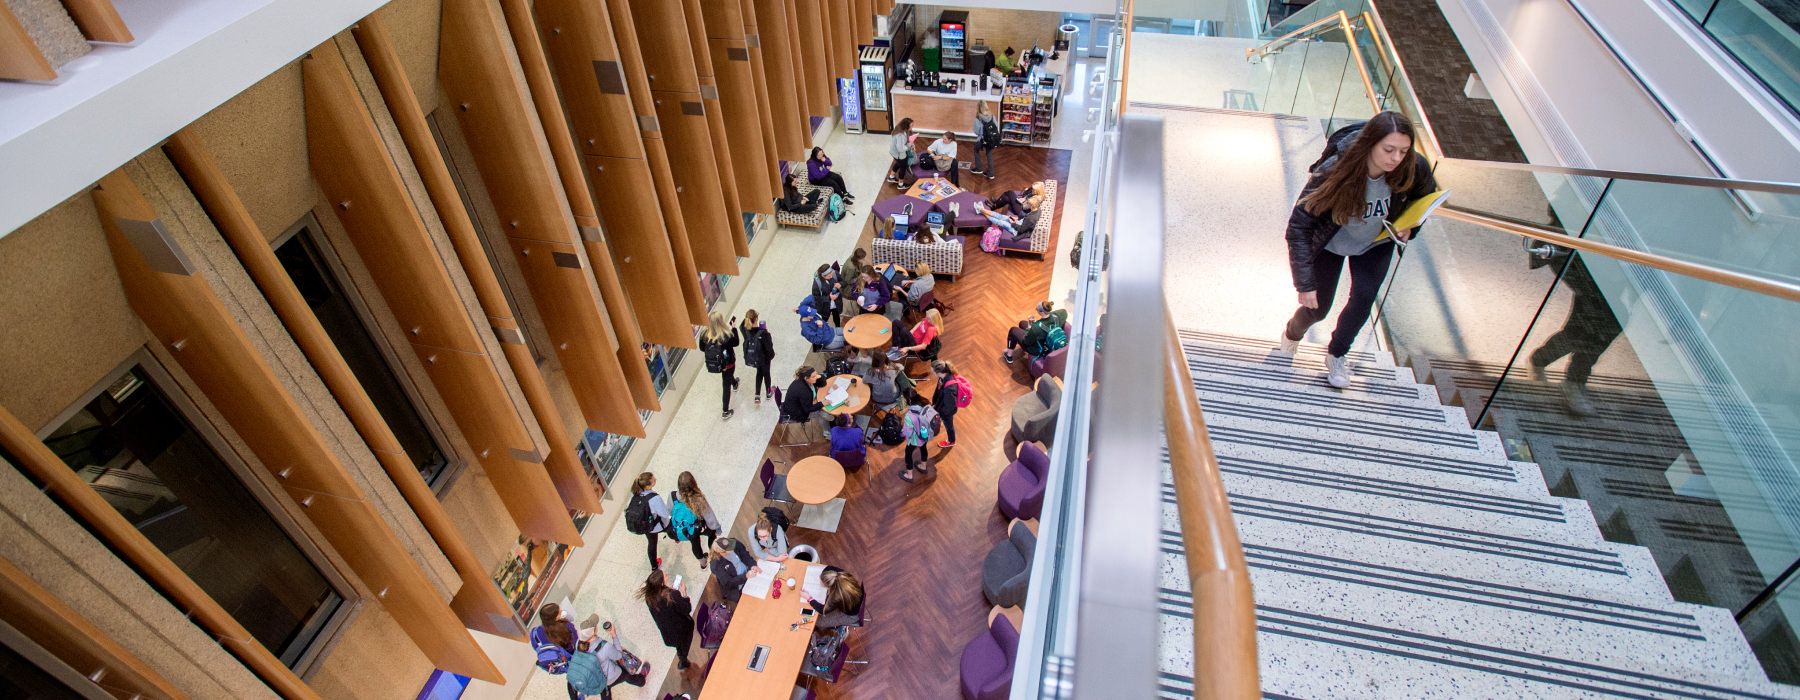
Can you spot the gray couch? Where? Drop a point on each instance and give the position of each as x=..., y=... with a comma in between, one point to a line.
x=1034, y=414
x=1008, y=567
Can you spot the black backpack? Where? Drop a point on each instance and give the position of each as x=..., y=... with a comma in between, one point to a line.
x=638, y=518
x=890, y=430
x=836, y=366
x=753, y=348
x=1345, y=135
x=777, y=517
x=715, y=356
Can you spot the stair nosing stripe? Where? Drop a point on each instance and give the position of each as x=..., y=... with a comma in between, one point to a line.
x=1494, y=499
x=1273, y=504
x=1570, y=562
x=1288, y=375
x=1541, y=517
x=1229, y=409
x=1447, y=465
x=1203, y=383
x=1447, y=497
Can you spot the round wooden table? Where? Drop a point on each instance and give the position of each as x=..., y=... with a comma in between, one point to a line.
x=859, y=395
x=868, y=331
x=815, y=480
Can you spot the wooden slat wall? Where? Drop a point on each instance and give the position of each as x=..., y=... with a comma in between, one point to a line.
x=20, y=58
x=579, y=44
x=638, y=85
x=352, y=168
x=477, y=603
x=715, y=125
x=814, y=43
x=759, y=76
x=96, y=513
x=791, y=134
x=803, y=86
x=670, y=70
x=508, y=147
x=862, y=22
x=184, y=314
x=98, y=20
x=843, y=46
x=737, y=96
x=620, y=314
x=72, y=639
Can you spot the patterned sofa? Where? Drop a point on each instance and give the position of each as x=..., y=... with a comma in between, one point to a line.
x=814, y=220
x=1039, y=242
x=944, y=256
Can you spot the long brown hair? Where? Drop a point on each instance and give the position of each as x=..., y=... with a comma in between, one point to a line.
x=643, y=482
x=690, y=493
x=749, y=323
x=844, y=593
x=550, y=616
x=656, y=589
x=1344, y=190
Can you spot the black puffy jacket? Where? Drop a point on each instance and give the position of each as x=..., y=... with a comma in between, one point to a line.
x=1308, y=233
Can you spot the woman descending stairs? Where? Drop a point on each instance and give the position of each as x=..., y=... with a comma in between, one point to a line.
x=1397, y=553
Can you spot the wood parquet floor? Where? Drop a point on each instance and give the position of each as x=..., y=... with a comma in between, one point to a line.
x=918, y=547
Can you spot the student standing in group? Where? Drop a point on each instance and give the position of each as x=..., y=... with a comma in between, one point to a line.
x=554, y=641
x=987, y=138
x=818, y=172
x=730, y=567
x=825, y=295
x=1341, y=219
x=900, y=149
x=673, y=613
x=759, y=350
x=647, y=514
x=719, y=342
x=917, y=424
x=706, y=523
x=943, y=156
x=947, y=397
x=858, y=262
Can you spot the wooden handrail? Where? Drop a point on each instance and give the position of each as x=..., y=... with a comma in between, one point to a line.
x=1729, y=278
x=1288, y=38
x=1225, y=661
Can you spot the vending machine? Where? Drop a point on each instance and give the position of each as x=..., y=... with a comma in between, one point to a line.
x=953, y=31
x=875, y=78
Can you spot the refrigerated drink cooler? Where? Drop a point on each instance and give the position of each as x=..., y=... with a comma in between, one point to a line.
x=874, y=76
x=953, y=33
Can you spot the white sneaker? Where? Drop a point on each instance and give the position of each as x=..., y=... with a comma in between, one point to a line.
x=1337, y=371
x=1288, y=347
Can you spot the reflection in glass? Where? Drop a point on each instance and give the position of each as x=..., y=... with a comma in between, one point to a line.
x=133, y=447
x=22, y=679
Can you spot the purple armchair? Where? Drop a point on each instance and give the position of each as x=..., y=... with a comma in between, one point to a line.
x=1022, y=483
x=1051, y=364
x=987, y=662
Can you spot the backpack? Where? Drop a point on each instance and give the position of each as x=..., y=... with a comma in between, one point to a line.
x=777, y=517
x=890, y=431
x=835, y=209
x=585, y=676
x=836, y=366
x=964, y=395
x=990, y=134
x=683, y=522
x=550, y=657
x=1055, y=338
x=638, y=518
x=715, y=357
x=990, y=239
x=1343, y=134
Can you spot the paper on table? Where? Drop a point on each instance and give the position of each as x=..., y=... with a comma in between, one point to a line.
x=761, y=579
x=839, y=392
x=815, y=587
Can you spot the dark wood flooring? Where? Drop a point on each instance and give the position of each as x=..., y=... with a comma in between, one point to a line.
x=918, y=547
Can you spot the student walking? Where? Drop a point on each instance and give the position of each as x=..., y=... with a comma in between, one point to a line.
x=917, y=424
x=647, y=514
x=953, y=390
x=687, y=496
x=1368, y=175
x=555, y=642
x=719, y=341
x=900, y=149
x=673, y=612
x=759, y=350
x=827, y=293
x=987, y=138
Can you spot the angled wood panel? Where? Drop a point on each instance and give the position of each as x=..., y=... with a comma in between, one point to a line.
x=843, y=42
x=862, y=22
x=20, y=58
x=98, y=20
x=765, y=105
x=478, y=603
x=579, y=44
x=619, y=312
x=779, y=71
x=180, y=309
x=813, y=40
x=571, y=479
x=72, y=639
x=715, y=125
x=743, y=125
x=631, y=56
x=804, y=88
x=672, y=73
x=351, y=166
x=505, y=139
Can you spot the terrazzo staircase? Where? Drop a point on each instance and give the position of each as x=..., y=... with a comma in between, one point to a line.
x=1396, y=553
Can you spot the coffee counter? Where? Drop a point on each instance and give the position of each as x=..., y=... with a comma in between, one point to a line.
x=933, y=111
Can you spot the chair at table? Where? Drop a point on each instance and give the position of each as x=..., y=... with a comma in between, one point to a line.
x=1051, y=364
x=1023, y=482
x=803, y=693
x=853, y=460
x=1034, y=414
x=830, y=673
x=987, y=661
x=774, y=485
x=1007, y=569
x=702, y=616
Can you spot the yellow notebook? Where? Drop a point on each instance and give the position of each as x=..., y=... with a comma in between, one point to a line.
x=1416, y=213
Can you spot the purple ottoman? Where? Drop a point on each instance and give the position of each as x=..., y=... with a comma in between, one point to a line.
x=966, y=216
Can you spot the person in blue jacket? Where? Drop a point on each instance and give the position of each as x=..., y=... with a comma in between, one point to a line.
x=815, y=329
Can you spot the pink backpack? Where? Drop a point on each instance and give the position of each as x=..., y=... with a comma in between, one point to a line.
x=963, y=394
x=990, y=239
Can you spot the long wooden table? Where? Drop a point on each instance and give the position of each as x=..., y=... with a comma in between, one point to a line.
x=762, y=621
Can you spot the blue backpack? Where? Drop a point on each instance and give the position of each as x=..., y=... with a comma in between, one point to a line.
x=835, y=209
x=683, y=521
x=550, y=657
x=585, y=675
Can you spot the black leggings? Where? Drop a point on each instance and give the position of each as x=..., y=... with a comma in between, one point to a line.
x=834, y=181
x=701, y=529
x=761, y=384
x=728, y=381
x=949, y=426
x=650, y=537
x=923, y=456
x=1366, y=274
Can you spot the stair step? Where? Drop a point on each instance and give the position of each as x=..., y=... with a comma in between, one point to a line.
x=1251, y=345
x=1284, y=372
x=1339, y=433
x=1316, y=395
x=1437, y=424
x=1307, y=364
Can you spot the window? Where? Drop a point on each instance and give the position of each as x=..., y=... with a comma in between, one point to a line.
x=132, y=445
x=306, y=267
